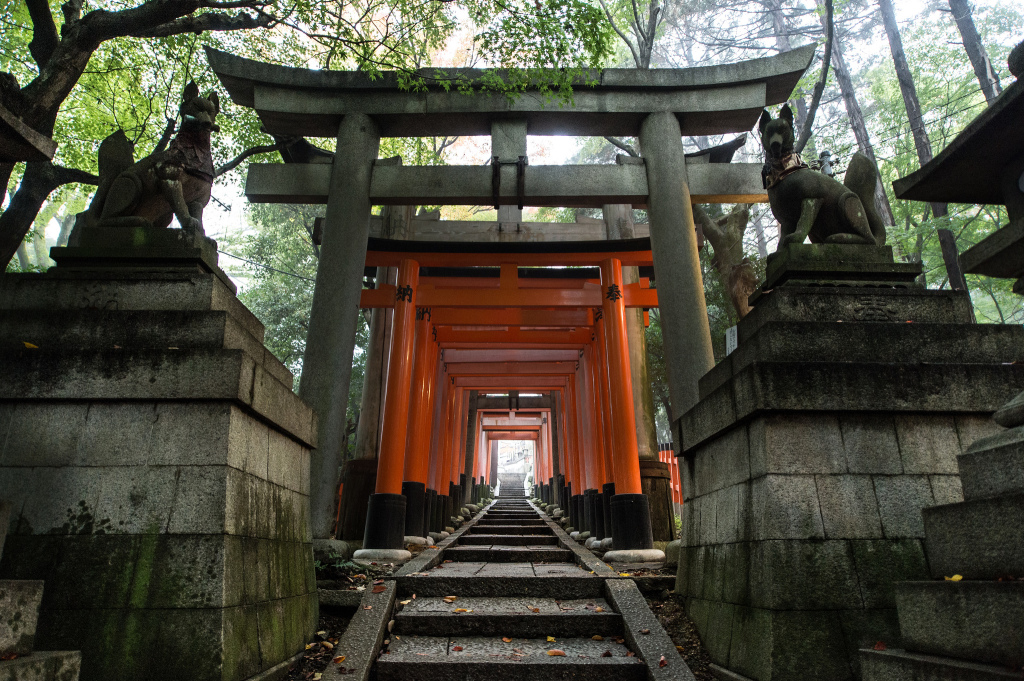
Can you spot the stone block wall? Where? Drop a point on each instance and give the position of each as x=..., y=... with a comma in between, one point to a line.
x=796, y=527
x=807, y=463
x=157, y=464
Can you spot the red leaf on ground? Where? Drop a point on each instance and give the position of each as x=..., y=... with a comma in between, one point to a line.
x=457, y=648
x=662, y=662
x=879, y=646
x=379, y=588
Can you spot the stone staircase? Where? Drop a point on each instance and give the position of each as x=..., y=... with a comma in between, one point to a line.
x=509, y=596
x=19, y=611
x=511, y=485
x=970, y=627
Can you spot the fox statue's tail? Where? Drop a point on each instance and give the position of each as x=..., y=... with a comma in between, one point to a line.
x=861, y=179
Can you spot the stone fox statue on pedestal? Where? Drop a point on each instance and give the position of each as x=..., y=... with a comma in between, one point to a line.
x=808, y=203
x=175, y=182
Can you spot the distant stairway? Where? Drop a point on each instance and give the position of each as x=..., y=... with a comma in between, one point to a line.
x=512, y=485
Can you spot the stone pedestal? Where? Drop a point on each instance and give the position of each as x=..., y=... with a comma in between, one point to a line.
x=157, y=462
x=813, y=449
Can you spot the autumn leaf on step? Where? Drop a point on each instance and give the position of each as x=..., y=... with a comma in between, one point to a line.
x=645, y=631
x=879, y=646
x=662, y=662
x=461, y=610
x=506, y=639
x=606, y=653
x=597, y=638
x=630, y=654
x=327, y=644
x=317, y=676
x=555, y=652
x=535, y=609
x=551, y=639
x=954, y=578
x=599, y=609
x=339, y=659
x=367, y=607
x=457, y=648
x=406, y=602
x=30, y=346
x=623, y=574
x=379, y=589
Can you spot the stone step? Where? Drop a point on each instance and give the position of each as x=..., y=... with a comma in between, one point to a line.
x=436, y=658
x=510, y=617
x=486, y=520
x=19, y=612
x=45, y=665
x=993, y=465
x=87, y=330
x=511, y=584
x=501, y=553
x=978, y=539
x=978, y=621
x=508, y=539
x=509, y=529
x=901, y=665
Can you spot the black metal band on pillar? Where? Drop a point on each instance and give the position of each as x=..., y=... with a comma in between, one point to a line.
x=496, y=164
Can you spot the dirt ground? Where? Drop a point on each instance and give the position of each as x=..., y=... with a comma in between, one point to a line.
x=672, y=616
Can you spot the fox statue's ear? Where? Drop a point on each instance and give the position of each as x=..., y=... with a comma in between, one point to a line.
x=215, y=100
x=766, y=118
x=191, y=92
x=786, y=114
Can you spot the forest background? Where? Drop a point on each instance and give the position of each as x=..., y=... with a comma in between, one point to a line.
x=901, y=82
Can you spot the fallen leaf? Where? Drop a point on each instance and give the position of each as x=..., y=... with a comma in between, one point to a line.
x=414, y=597
x=339, y=659
x=535, y=609
x=367, y=607
x=954, y=578
x=30, y=346
x=662, y=662
x=606, y=653
x=322, y=634
x=460, y=610
x=879, y=646
x=620, y=640
x=391, y=626
x=449, y=599
x=327, y=644
x=378, y=581
x=679, y=648
x=309, y=645
x=379, y=589
x=597, y=638
x=405, y=602
x=317, y=676
x=506, y=639
x=555, y=652
x=599, y=609
x=630, y=654
x=8, y=656
x=623, y=574
x=645, y=631
x=517, y=651
x=457, y=648
x=551, y=639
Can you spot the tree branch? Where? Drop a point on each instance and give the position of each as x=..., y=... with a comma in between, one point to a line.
x=615, y=27
x=819, y=87
x=211, y=21
x=623, y=145
x=252, y=151
x=165, y=137
x=44, y=31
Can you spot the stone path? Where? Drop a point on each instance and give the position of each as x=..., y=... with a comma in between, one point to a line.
x=510, y=596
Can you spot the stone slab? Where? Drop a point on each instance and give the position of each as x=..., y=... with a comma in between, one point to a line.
x=19, y=613
x=979, y=539
x=902, y=665
x=978, y=621
x=366, y=631
x=43, y=665
x=993, y=465
x=644, y=633
x=583, y=586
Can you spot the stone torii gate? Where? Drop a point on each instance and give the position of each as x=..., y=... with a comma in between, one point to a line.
x=658, y=106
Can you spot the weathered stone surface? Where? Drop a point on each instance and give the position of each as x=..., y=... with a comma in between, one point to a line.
x=796, y=443
x=900, y=499
x=993, y=465
x=979, y=539
x=19, y=611
x=880, y=563
x=902, y=665
x=869, y=441
x=848, y=506
x=785, y=507
x=978, y=621
x=48, y=665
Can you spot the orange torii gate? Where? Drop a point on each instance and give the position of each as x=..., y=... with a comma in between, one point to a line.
x=560, y=330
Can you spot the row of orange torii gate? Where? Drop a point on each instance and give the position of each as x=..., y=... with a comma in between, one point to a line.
x=551, y=306
x=555, y=331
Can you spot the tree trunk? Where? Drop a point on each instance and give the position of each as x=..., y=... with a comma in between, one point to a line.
x=921, y=141
x=15, y=222
x=988, y=79
x=23, y=261
x=860, y=129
